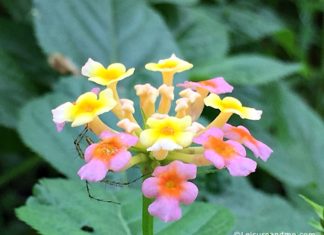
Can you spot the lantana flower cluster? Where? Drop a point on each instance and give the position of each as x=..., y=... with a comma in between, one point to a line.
x=170, y=144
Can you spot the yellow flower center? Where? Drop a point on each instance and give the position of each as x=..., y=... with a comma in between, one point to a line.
x=168, y=64
x=110, y=74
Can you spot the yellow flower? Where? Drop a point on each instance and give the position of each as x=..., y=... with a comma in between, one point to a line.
x=172, y=64
x=232, y=105
x=167, y=133
x=86, y=108
x=168, y=67
x=105, y=76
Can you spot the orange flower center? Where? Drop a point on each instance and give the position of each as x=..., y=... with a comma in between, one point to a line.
x=209, y=83
x=167, y=130
x=221, y=147
x=107, y=149
x=170, y=184
x=243, y=134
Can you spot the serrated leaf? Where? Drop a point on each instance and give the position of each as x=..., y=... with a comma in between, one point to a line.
x=105, y=30
x=15, y=90
x=63, y=207
x=246, y=69
x=257, y=211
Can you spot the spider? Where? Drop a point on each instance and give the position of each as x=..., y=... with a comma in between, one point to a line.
x=77, y=141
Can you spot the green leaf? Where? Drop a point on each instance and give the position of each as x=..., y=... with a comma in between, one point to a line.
x=106, y=30
x=15, y=90
x=17, y=39
x=201, y=38
x=20, y=10
x=317, y=208
x=248, y=21
x=63, y=207
x=39, y=133
x=257, y=211
x=248, y=69
x=299, y=134
x=177, y=2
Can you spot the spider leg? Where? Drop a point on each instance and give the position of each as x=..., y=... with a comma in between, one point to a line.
x=77, y=141
x=98, y=199
x=121, y=184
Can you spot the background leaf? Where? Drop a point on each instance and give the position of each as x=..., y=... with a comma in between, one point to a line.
x=201, y=38
x=246, y=69
x=257, y=211
x=15, y=90
x=96, y=29
x=62, y=206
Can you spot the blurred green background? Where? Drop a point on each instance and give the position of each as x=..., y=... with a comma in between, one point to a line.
x=272, y=51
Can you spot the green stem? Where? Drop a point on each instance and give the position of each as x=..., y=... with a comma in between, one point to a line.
x=147, y=219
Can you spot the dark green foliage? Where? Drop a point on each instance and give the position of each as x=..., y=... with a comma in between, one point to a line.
x=272, y=51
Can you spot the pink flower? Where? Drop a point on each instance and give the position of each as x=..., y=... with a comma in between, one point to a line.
x=169, y=186
x=229, y=154
x=214, y=85
x=109, y=154
x=242, y=135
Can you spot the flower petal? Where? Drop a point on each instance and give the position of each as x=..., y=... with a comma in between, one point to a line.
x=167, y=209
x=241, y=166
x=93, y=171
x=216, y=159
x=187, y=171
x=120, y=160
x=61, y=113
x=88, y=152
x=148, y=137
x=164, y=144
x=150, y=187
x=90, y=68
x=189, y=194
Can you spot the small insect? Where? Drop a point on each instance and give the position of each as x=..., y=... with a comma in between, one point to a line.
x=77, y=144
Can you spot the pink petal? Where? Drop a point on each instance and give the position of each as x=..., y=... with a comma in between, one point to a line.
x=88, y=152
x=166, y=209
x=59, y=126
x=93, y=171
x=187, y=84
x=120, y=160
x=160, y=170
x=95, y=90
x=213, y=131
x=241, y=166
x=239, y=149
x=189, y=194
x=230, y=133
x=264, y=151
x=220, y=86
x=106, y=135
x=127, y=139
x=215, y=158
x=187, y=171
x=150, y=187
